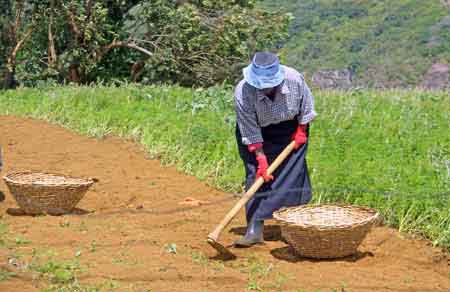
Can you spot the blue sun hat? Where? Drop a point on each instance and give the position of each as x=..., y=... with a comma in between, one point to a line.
x=265, y=71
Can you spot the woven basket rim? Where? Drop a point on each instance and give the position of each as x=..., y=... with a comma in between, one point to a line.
x=8, y=178
x=369, y=219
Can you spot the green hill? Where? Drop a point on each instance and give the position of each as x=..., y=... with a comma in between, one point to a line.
x=383, y=42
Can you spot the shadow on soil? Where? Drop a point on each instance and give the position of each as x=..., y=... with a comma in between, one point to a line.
x=271, y=232
x=287, y=254
x=20, y=212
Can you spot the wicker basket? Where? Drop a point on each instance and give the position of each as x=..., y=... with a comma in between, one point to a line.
x=325, y=231
x=38, y=193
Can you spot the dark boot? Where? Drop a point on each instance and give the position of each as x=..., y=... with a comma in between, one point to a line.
x=254, y=234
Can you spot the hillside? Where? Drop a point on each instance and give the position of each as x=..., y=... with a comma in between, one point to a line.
x=383, y=42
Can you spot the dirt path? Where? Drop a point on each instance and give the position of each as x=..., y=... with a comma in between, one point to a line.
x=133, y=219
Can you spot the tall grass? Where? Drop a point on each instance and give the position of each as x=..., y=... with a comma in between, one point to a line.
x=385, y=149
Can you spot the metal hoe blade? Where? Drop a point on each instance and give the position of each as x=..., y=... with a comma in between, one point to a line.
x=213, y=237
x=224, y=253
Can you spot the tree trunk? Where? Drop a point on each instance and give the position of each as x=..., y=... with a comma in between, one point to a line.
x=8, y=80
x=52, y=57
x=137, y=69
x=9, y=76
x=74, y=73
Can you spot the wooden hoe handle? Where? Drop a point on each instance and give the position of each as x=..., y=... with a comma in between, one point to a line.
x=249, y=194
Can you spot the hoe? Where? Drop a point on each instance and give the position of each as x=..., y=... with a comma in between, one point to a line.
x=213, y=237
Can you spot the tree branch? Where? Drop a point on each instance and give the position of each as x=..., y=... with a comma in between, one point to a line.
x=124, y=44
x=74, y=27
x=18, y=17
x=89, y=5
x=12, y=57
x=22, y=41
x=52, y=57
x=140, y=49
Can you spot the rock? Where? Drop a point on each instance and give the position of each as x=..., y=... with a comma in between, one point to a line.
x=333, y=79
x=437, y=77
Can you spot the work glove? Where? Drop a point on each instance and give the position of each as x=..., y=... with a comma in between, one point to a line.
x=253, y=147
x=263, y=165
x=299, y=136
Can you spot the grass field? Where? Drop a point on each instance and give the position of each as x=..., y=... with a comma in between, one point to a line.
x=384, y=149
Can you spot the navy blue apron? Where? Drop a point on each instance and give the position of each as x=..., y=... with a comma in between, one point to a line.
x=291, y=185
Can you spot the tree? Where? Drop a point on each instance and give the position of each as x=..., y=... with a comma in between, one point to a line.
x=187, y=42
x=19, y=21
x=202, y=42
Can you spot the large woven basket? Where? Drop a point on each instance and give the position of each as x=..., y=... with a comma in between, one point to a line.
x=325, y=231
x=38, y=193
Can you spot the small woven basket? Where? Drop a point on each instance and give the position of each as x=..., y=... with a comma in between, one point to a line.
x=38, y=193
x=325, y=231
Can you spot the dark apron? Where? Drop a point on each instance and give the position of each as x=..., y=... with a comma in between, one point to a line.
x=291, y=185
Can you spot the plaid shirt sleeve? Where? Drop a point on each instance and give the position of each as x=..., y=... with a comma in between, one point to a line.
x=307, y=112
x=246, y=118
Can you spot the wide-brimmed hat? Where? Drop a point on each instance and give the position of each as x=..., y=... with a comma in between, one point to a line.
x=265, y=71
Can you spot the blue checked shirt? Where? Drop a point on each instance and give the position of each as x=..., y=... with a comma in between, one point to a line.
x=255, y=110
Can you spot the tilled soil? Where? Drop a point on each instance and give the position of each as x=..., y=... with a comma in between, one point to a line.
x=131, y=232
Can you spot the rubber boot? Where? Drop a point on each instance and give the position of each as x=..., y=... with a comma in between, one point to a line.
x=254, y=234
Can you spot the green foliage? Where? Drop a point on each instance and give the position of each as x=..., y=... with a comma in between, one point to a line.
x=387, y=150
x=22, y=241
x=61, y=276
x=6, y=275
x=263, y=276
x=183, y=42
x=385, y=43
x=59, y=273
x=208, y=43
x=4, y=40
x=18, y=19
x=3, y=233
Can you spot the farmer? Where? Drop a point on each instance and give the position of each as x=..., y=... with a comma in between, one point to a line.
x=273, y=107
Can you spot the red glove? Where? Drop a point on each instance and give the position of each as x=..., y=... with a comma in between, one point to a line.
x=263, y=165
x=299, y=136
x=254, y=147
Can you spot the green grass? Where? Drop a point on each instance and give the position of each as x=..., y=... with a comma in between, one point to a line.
x=384, y=42
x=6, y=275
x=22, y=241
x=49, y=272
x=3, y=232
x=59, y=272
x=204, y=261
x=57, y=275
x=263, y=276
x=385, y=149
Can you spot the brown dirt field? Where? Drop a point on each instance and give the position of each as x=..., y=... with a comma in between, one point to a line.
x=133, y=213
